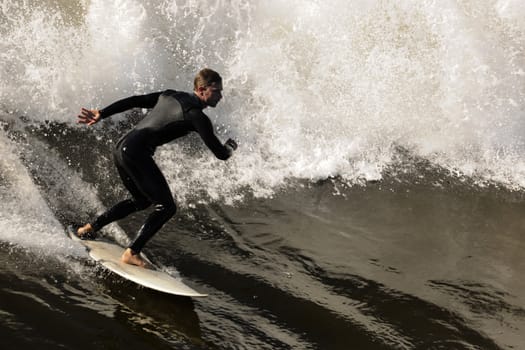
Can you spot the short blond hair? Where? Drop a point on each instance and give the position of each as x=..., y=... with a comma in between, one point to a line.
x=206, y=77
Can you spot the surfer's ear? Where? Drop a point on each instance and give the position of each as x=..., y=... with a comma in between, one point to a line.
x=201, y=89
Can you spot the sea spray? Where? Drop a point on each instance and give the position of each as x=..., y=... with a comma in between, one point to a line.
x=313, y=90
x=25, y=216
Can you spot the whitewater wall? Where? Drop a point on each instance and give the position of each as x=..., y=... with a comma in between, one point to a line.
x=312, y=89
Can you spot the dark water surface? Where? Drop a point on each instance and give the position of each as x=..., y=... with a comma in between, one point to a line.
x=388, y=265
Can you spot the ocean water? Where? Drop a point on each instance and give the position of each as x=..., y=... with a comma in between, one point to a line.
x=375, y=202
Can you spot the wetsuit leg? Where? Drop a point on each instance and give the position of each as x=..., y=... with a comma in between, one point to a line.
x=126, y=207
x=151, y=183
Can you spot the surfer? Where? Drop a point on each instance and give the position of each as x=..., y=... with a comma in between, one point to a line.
x=174, y=114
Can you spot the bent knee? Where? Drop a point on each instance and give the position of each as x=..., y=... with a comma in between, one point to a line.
x=141, y=205
x=168, y=209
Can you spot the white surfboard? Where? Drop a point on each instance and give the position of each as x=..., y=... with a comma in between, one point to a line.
x=108, y=255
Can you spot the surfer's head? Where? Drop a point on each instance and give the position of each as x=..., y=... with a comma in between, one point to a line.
x=208, y=87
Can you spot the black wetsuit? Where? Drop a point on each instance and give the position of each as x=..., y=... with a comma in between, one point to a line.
x=174, y=115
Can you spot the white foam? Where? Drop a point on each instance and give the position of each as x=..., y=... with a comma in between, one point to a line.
x=312, y=89
x=25, y=218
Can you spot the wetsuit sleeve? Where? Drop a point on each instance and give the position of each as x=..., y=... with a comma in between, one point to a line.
x=140, y=101
x=203, y=126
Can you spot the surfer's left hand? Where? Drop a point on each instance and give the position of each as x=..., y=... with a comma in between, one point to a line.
x=88, y=116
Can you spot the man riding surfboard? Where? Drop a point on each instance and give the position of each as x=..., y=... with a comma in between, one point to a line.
x=174, y=114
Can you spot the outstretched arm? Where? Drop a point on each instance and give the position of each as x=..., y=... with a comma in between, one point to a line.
x=204, y=127
x=92, y=116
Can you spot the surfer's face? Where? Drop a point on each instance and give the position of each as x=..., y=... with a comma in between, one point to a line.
x=210, y=95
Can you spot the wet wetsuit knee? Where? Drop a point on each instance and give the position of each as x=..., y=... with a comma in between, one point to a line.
x=157, y=219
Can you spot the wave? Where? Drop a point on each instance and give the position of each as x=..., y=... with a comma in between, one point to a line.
x=312, y=90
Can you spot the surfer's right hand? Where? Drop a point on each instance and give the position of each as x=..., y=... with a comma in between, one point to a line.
x=231, y=144
x=88, y=116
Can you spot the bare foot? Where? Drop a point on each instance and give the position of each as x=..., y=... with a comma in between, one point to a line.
x=130, y=257
x=86, y=232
